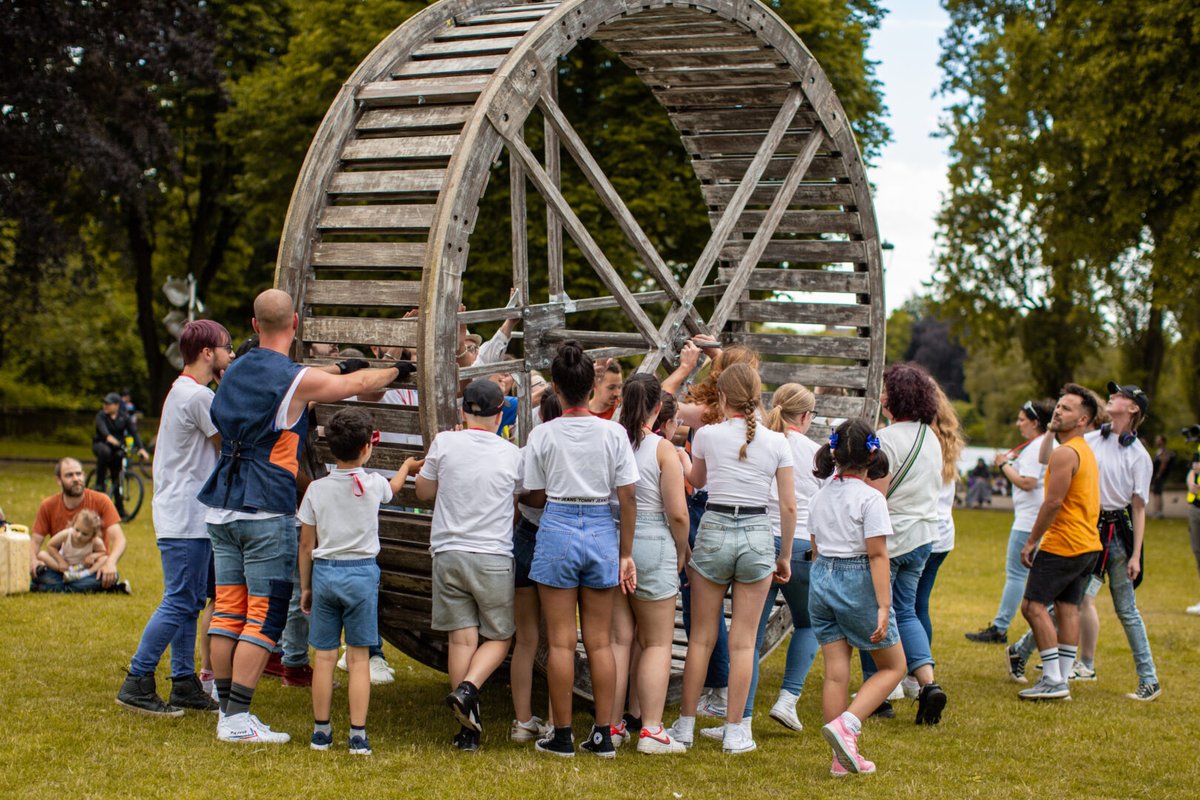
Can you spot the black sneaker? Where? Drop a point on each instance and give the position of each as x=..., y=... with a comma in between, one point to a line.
x=1016, y=666
x=467, y=740
x=186, y=692
x=633, y=726
x=930, y=703
x=989, y=635
x=600, y=743
x=464, y=702
x=554, y=744
x=885, y=711
x=138, y=694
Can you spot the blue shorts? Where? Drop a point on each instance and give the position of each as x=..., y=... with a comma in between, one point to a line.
x=345, y=596
x=732, y=547
x=577, y=545
x=254, y=560
x=524, y=542
x=841, y=604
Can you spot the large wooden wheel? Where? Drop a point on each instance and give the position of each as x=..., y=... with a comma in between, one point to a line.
x=385, y=205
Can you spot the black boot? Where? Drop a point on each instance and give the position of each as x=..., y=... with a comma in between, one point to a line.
x=187, y=692
x=138, y=694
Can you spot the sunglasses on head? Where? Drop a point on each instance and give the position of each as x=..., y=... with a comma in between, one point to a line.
x=1029, y=410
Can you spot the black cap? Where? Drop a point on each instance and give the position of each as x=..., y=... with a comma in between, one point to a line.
x=1134, y=393
x=112, y=397
x=483, y=398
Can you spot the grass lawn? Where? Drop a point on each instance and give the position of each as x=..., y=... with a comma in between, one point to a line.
x=62, y=660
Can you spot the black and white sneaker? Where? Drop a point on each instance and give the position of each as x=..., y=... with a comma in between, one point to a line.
x=600, y=743
x=563, y=747
x=989, y=635
x=1146, y=692
x=930, y=704
x=1016, y=666
x=464, y=702
x=467, y=740
x=885, y=711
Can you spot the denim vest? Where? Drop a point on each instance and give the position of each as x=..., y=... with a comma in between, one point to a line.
x=257, y=467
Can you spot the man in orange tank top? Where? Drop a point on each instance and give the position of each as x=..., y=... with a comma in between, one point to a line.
x=1061, y=551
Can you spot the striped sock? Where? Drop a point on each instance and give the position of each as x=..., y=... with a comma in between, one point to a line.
x=239, y=699
x=1050, y=665
x=223, y=685
x=1066, y=659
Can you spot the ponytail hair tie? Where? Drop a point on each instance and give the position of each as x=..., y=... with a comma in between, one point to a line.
x=872, y=443
x=833, y=441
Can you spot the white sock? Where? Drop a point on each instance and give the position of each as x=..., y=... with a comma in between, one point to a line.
x=852, y=723
x=685, y=724
x=1066, y=659
x=1050, y=665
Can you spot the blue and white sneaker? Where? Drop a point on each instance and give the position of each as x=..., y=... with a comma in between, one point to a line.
x=321, y=740
x=359, y=746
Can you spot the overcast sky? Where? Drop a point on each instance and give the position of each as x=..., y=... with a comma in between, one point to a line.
x=910, y=176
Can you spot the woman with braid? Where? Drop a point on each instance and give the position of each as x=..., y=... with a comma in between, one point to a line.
x=738, y=460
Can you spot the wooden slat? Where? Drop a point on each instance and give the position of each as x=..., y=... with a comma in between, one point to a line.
x=711, y=145
x=790, y=344
x=493, y=16
x=777, y=372
x=831, y=405
x=624, y=43
x=808, y=194
x=640, y=27
x=449, y=66
x=701, y=97
x=400, y=148
x=361, y=330
x=803, y=313
x=738, y=119
x=413, y=118
x=484, y=30
x=605, y=338
x=468, y=47
x=734, y=169
x=396, y=294
x=368, y=255
x=803, y=280
x=384, y=456
x=703, y=58
x=425, y=90
x=388, y=182
x=375, y=218
x=398, y=529
x=389, y=418
x=716, y=77
x=801, y=251
x=800, y=222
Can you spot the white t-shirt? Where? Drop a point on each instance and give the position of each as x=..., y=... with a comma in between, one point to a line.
x=344, y=506
x=804, y=450
x=1124, y=471
x=579, y=457
x=733, y=482
x=478, y=473
x=649, y=484
x=1027, y=503
x=944, y=542
x=844, y=514
x=183, y=459
x=913, y=505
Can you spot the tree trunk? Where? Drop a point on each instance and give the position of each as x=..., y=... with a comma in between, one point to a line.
x=141, y=252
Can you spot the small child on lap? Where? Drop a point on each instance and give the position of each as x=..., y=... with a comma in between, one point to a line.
x=339, y=579
x=474, y=476
x=77, y=551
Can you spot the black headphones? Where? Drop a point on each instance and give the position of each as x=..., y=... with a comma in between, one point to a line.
x=1125, y=439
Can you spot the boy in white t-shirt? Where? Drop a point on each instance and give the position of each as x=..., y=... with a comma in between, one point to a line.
x=474, y=476
x=339, y=579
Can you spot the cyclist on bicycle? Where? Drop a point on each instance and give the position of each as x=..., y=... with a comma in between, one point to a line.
x=108, y=444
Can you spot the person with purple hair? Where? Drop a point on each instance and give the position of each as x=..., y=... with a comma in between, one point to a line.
x=185, y=455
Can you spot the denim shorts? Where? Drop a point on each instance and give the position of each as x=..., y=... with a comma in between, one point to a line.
x=254, y=561
x=577, y=545
x=733, y=547
x=654, y=556
x=841, y=604
x=345, y=597
x=473, y=590
x=524, y=542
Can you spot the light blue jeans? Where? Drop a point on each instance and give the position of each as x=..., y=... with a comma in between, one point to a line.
x=1125, y=604
x=802, y=648
x=1015, y=574
x=906, y=574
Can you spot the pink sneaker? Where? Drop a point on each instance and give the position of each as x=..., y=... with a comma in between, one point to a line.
x=837, y=770
x=845, y=747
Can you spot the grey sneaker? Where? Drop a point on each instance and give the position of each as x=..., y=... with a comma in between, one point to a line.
x=1082, y=672
x=1045, y=690
x=1146, y=692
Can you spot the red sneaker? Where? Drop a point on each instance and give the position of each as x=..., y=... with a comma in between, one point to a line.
x=274, y=666
x=300, y=676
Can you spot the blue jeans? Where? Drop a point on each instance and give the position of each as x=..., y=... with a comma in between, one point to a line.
x=802, y=648
x=50, y=581
x=718, y=664
x=293, y=642
x=173, y=623
x=1015, y=574
x=1125, y=604
x=925, y=588
x=906, y=575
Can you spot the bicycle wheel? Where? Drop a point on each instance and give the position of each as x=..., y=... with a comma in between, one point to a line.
x=134, y=491
x=89, y=480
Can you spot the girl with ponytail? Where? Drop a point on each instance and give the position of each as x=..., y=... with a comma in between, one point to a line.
x=739, y=460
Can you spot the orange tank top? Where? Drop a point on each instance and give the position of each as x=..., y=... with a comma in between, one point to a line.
x=1073, y=531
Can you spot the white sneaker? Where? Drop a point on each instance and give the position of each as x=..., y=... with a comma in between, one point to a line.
x=619, y=734
x=897, y=693
x=713, y=703
x=380, y=671
x=911, y=687
x=341, y=662
x=246, y=728
x=737, y=739
x=1194, y=609
x=718, y=733
x=658, y=743
x=784, y=711
x=529, y=731
x=685, y=736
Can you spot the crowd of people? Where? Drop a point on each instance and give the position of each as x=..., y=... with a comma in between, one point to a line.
x=626, y=495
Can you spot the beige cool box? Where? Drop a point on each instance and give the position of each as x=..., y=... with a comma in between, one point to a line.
x=14, y=560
